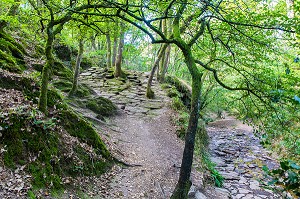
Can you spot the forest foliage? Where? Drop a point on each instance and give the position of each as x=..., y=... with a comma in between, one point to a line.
x=242, y=56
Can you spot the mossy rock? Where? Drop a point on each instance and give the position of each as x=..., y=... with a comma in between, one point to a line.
x=9, y=47
x=62, y=71
x=11, y=54
x=25, y=135
x=173, y=92
x=7, y=62
x=53, y=97
x=185, y=93
x=86, y=63
x=11, y=40
x=83, y=90
x=63, y=52
x=80, y=128
x=21, y=83
x=101, y=106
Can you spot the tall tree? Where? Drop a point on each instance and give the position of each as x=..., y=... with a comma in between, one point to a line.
x=77, y=67
x=108, y=54
x=118, y=67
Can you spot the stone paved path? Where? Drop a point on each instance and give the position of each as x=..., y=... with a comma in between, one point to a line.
x=240, y=158
x=146, y=137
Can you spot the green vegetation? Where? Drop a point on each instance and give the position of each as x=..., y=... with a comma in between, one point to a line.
x=102, y=106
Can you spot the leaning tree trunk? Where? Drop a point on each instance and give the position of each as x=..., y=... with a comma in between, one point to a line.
x=149, y=92
x=184, y=183
x=77, y=68
x=108, y=55
x=42, y=105
x=166, y=65
x=118, y=69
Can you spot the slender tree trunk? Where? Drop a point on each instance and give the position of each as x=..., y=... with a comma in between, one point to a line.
x=114, y=55
x=118, y=69
x=166, y=64
x=183, y=185
x=93, y=42
x=108, y=55
x=77, y=68
x=42, y=105
x=149, y=92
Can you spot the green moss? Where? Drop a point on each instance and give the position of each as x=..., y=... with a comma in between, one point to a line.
x=185, y=94
x=102, y=106
x=177, y=104
x=7, y=62
x=78, y=127
x=149, y=93
x=85, y=167
x=173, y=92
x=53, y=97
x=11, y=40
x=86, y=63
x=9, y=47
x=62, y=71
x=26, y=136
x=65, y=86
x=21, y=83
x=11, y=54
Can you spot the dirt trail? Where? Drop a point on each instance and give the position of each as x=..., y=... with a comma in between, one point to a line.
x=143, y=136
x=153, y=146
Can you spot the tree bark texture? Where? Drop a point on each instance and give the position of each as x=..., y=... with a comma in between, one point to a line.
x=149, y=92
x=118, y=68
x=114, y=55
x=108, y=55
x=183, y=185
x=166, y=64
x=77, y=68
x=42, y=105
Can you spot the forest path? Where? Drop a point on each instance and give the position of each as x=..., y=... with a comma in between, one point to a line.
x=240, y=158
x=142, y=135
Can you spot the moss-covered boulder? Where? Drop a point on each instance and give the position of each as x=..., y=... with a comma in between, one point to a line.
x=62, y=71
x=182, y=88
x=11, y=54
x=101, y=106
x=78, y=127
x=63, y=52
x=83, y=90
x=86, y=63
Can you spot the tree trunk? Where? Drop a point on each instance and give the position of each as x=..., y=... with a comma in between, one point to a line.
x=77, y=68
x=183, y=185
x=42, y=105
x=108, y=55
x=166, y=64
x=149, y=92
x=93, y=42
x=118, y=70
x=114, y=55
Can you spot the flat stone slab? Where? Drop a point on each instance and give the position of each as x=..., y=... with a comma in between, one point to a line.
x=152, y=105
x=86, y=74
